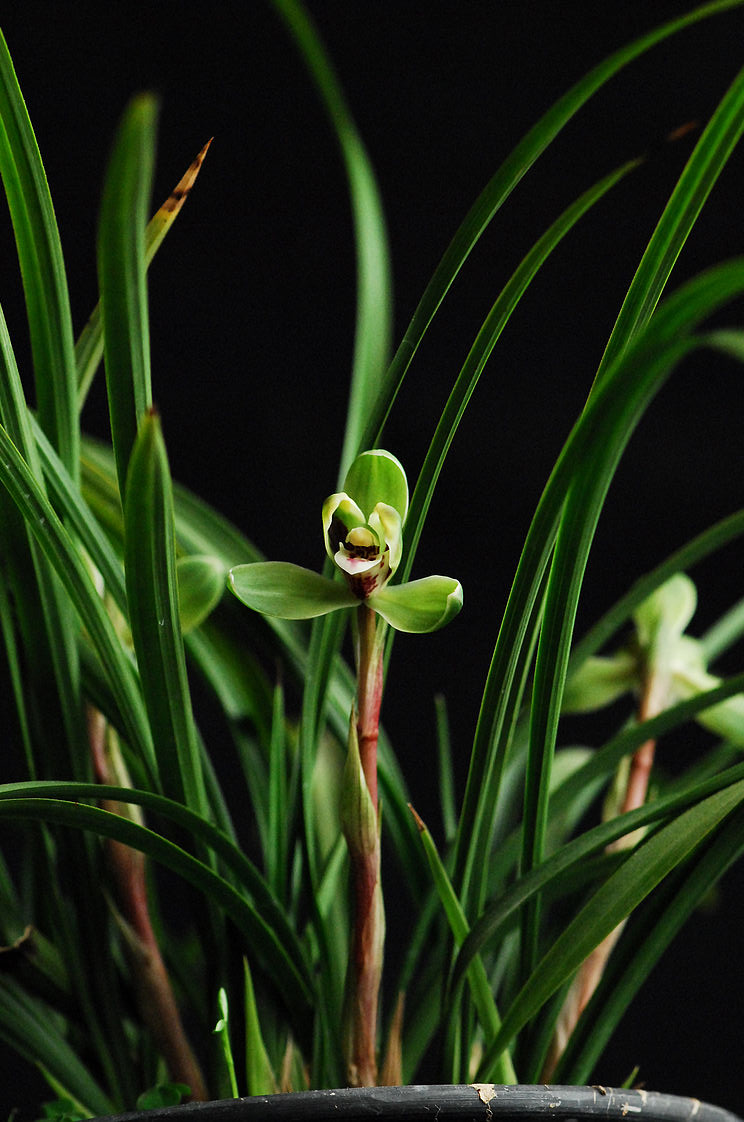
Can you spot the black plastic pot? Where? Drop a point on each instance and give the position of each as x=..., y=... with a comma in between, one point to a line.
x=463, y=1103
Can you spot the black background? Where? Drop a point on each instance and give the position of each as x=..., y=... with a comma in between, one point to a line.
x=252, y=302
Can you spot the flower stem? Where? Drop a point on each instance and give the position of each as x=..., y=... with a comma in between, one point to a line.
x=362, y=832
x=369, y=674
x=154, y=993
x=652, y=702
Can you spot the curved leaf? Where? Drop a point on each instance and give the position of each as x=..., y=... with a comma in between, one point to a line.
x=42, y=269
x=477, y=977
x=243, y=872
x=649, y=932
x=374, y=296
x=62, y=554
x=152, y=596
x=26, y=1026
x=502, y=911
x=647, y=865
x=498, y=190
x=697, y=180
x=122, y=277
x=262, y=938
x=599, y=435
x=89, y=344
x=485, y=341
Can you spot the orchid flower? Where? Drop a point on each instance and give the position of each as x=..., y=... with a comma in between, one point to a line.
x=363, y=533
x=662, y=644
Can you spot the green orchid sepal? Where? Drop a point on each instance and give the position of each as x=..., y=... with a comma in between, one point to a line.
x=279, y=588
x=418, y=606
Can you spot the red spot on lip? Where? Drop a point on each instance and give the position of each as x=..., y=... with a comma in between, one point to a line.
x=363, y=585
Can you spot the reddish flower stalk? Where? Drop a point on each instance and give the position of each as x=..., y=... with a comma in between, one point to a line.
x=369, y=697
x=155, y=997
x=652, y=702
x=361, y=829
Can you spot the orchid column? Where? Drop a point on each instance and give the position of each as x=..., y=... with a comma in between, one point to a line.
x=363, y=532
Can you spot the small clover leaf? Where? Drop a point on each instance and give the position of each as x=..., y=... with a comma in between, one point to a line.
x=164, y=1094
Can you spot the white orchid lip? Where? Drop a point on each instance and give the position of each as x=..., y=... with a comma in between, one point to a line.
x=363, y=560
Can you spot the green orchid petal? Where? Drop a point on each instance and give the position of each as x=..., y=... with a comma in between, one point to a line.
x=420, y=605
x=726, y=720
x=690, y=677
x=599, y=681
x=387, y=523
x=378, y=477
x=661, y=619
x=278, y=588
x=340, y=514
x=201, y=583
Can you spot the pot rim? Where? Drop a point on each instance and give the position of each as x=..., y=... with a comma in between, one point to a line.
x=477, y=1102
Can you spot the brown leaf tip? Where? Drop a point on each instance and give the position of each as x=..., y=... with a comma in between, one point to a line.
x=180, y=192
x=418, y=819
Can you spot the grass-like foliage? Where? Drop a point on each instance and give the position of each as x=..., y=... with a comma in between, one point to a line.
x=530, y=923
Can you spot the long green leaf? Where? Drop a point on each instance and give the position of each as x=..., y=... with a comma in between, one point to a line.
x=374, y=298
x=152, y=594
x=48, y=624
x=265, y=945
x=502, y=912
x=582, y=510
x=15, y=674
x=600, y=766
x=63, y=556
x=485, y=341
x=646, y=867
x=578, y=523
x=89, y=344
x=498, y=190
x=122, y=276
x=76, y=514
x=477, y=977
x=707, y=161
x=613, y=411
x=60, y=745
x=42, y=268
x=238, y=868
x=26, y=1026
x=649, y=932
x=277, y=850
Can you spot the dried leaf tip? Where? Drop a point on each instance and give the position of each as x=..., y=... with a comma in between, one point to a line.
x=418, y=819
x=180, y=192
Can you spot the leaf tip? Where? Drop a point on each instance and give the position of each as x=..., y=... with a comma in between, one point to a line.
x=420, y=824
